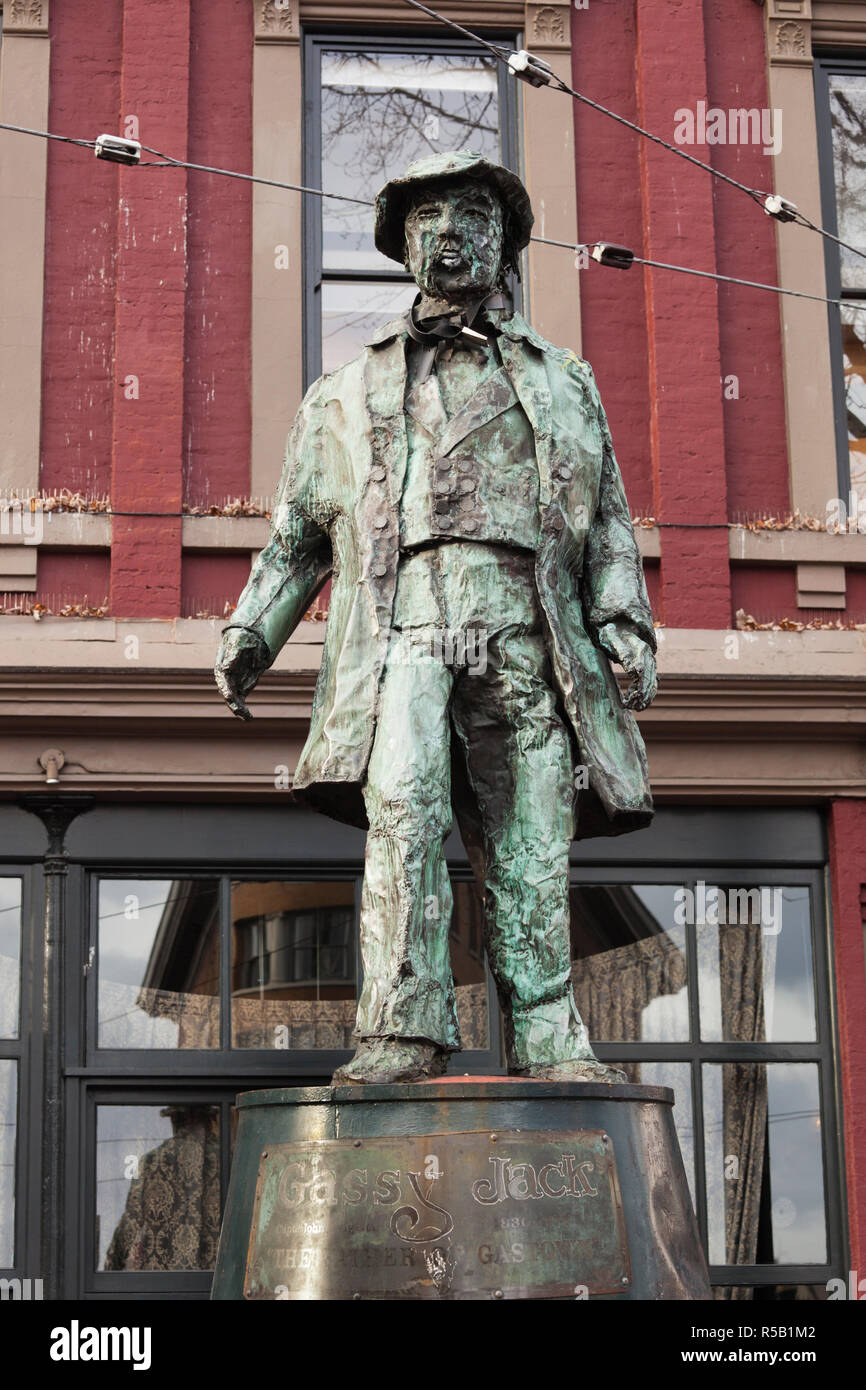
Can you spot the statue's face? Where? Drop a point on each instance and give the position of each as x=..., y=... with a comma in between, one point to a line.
x=454, y=236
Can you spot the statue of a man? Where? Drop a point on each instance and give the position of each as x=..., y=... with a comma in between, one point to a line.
x=457, y=480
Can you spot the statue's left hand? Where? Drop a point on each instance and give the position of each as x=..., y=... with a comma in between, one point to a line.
x=636, y=658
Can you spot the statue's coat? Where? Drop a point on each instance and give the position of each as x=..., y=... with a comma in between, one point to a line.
x=337, y=512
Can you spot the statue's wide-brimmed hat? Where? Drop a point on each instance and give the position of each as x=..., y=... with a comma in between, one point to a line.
x=391, y=203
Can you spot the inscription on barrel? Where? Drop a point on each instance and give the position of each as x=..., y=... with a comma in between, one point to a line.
x=513, y=1214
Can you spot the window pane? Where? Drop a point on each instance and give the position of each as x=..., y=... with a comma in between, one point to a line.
x=293, y=965
x=157, y=1186
x=677, y=1075
x=467, y=965
x=158, y=963
x=10, y=956
x=765, y=1172
x=351, y=314
x=8, y=1109
x=755, y=964
x=629, y=968
x=775, y=1293
x=848, y=117
x=380, y=111
x=854, y=362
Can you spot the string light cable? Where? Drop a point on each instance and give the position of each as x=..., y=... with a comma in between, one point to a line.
x=119, y=150
x=528, y=67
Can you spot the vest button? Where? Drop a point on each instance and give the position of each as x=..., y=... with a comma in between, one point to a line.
x=465, y=465
x=380, y=521
x=444, y=465
x=378, y=475
x=466, y=485
x=556, y=523
x=380, y=570
x=565, y=473
x=470, y=524
x=444, y=521
x=443, y=505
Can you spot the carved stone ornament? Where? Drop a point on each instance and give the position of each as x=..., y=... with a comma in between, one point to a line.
x=548, y=26
x=275, y=20
x=26, y=17
x=789, y=41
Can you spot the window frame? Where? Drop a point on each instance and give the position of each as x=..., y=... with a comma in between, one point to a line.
x=825, y=63
x=348, y=39
x=25, y=1051
x=697, y=1052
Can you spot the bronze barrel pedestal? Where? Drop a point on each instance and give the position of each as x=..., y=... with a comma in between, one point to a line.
x=459, y=1189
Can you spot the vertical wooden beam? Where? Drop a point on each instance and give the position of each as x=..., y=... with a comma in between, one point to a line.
x=24, y=75
x=278, y=277
x=548, y=151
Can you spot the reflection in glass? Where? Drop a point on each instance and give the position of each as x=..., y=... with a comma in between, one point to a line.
x=157, y=1186
x=293, y=965
x=629, y=969
x=778, y=1293
x=10, y=956
x=848, y=117
x=467, y=965
x=853, y=316
x=765, y=1172
x=382, y=110
x=353, y=312
x=158, y=963
x=8, y=1108
x=755, y=970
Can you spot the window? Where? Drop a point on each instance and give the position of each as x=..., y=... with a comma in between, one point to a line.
x=841, y=99
x=11, y=891
x=376, y=106
x=708, y=986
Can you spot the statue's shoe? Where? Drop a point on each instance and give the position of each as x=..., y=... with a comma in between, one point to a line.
x=582, y=1069
x=387, y=1061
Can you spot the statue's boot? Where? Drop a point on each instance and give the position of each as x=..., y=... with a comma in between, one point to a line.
x=584, y=1069
x=549, y=1042
x=387, y=1061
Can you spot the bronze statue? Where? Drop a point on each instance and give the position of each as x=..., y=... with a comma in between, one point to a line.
x=458, y=481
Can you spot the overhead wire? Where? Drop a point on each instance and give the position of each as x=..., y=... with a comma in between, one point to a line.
x=558, y=84
x=167, y=161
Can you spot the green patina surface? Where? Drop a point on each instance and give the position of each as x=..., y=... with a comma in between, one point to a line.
x=458, y=482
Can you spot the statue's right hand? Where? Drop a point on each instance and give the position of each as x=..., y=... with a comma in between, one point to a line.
x=241, y=659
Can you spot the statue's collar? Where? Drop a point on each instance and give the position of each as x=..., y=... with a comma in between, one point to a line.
x=516, y=327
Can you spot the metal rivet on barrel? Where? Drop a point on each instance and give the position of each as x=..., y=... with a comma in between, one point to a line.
x=493, y=1138
x=497, y=1293
x=356, y=1143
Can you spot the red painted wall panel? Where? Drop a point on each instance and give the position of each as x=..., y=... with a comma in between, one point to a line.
x=612, y=303
x=749, y=324
x=80, y=254
x=848, y=876
x=216, y=436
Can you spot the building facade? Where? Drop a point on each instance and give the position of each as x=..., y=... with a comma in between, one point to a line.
x=174, y=926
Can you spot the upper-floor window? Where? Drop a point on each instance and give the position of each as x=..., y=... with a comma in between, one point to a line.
x=372, y=107
x=841, y=87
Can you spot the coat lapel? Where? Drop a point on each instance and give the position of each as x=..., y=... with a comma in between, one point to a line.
x=526, y=369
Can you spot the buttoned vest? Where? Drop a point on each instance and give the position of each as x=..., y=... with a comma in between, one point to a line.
x=473, y=476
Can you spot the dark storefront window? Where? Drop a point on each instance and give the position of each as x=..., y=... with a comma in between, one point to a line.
x=11, y=887
x=191, y=979
x=373, y=107
x=709, y=987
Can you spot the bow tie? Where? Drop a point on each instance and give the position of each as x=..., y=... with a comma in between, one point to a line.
x=445, y=332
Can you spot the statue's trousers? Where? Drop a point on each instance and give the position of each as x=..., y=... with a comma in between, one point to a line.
x=496, y=695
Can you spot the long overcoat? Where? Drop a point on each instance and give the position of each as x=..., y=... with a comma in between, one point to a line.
x=337, y=513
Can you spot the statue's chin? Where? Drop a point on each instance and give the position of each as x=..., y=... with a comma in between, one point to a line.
x=455, y=289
